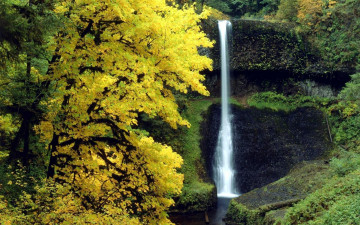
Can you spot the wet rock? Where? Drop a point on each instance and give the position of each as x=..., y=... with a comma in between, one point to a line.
x=267, y=144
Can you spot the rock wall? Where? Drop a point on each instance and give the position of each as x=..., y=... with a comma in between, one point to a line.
x=268, y=51
x=267, y=144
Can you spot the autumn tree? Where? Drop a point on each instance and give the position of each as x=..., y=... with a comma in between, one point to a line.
x=118, y=59
x=309, y=12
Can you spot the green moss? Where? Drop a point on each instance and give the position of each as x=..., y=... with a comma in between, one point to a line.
x=336, y=203
x=197, y=194
x=266, y=204
x=191, y=151
x=240, y=214
x=279, y=102
x=233, y=101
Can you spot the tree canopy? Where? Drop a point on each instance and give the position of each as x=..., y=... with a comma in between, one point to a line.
x=111, y=61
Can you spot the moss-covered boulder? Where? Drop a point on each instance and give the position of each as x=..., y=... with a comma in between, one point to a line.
x=266, y=204
x=195, y=197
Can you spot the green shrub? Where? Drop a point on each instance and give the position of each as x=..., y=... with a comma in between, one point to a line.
x=345, y=211
x=345, y=120
x=287, y=10
x=352, y=89
x=347, y=163
x=196, y=196
x=319, y=206
x=240, y=214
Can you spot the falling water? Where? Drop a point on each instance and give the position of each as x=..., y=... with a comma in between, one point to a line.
x=223, y=169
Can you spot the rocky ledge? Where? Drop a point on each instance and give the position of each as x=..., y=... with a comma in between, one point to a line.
x=268, y=204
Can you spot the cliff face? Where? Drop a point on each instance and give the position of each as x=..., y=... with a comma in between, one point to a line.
x=267, y=144
x=267, y=51
x=259, y=45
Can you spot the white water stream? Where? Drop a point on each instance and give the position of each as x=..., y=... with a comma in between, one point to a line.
x=223, y=168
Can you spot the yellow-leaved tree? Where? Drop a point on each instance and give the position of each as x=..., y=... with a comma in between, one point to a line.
x=312, y=12
x=119, y=58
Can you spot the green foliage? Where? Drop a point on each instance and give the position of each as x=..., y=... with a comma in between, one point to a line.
x=195, y=188
x=352, y=89
x=277, y=102
x=345, y=117
x=196, y=196
x=318, y=207
x=331, y=26
x=16, y=178
x=348, y=130
x=269, y=7
x=345, y=211
x=222, y=6
x=270, y=100
x=8, y=128
x=336, y=33
x=346, y=163
x=240, y=214
x=287, y=10
x=26, y=31
x=191, y=139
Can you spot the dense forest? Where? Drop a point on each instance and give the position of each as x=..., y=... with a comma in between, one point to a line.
x=97, y=98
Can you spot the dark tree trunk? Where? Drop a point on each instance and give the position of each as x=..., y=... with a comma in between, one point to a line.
x=26, y=153
x=52, y=163
x=22, y=135
x=14, y=153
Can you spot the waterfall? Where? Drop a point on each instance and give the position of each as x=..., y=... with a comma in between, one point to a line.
x=223, y=167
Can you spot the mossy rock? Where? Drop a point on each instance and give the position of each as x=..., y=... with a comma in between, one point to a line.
x=267, y=204
x=195, y=197
x=240, y=214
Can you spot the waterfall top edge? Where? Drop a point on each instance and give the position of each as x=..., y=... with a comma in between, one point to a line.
x=224, y=21
x=227, y=195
